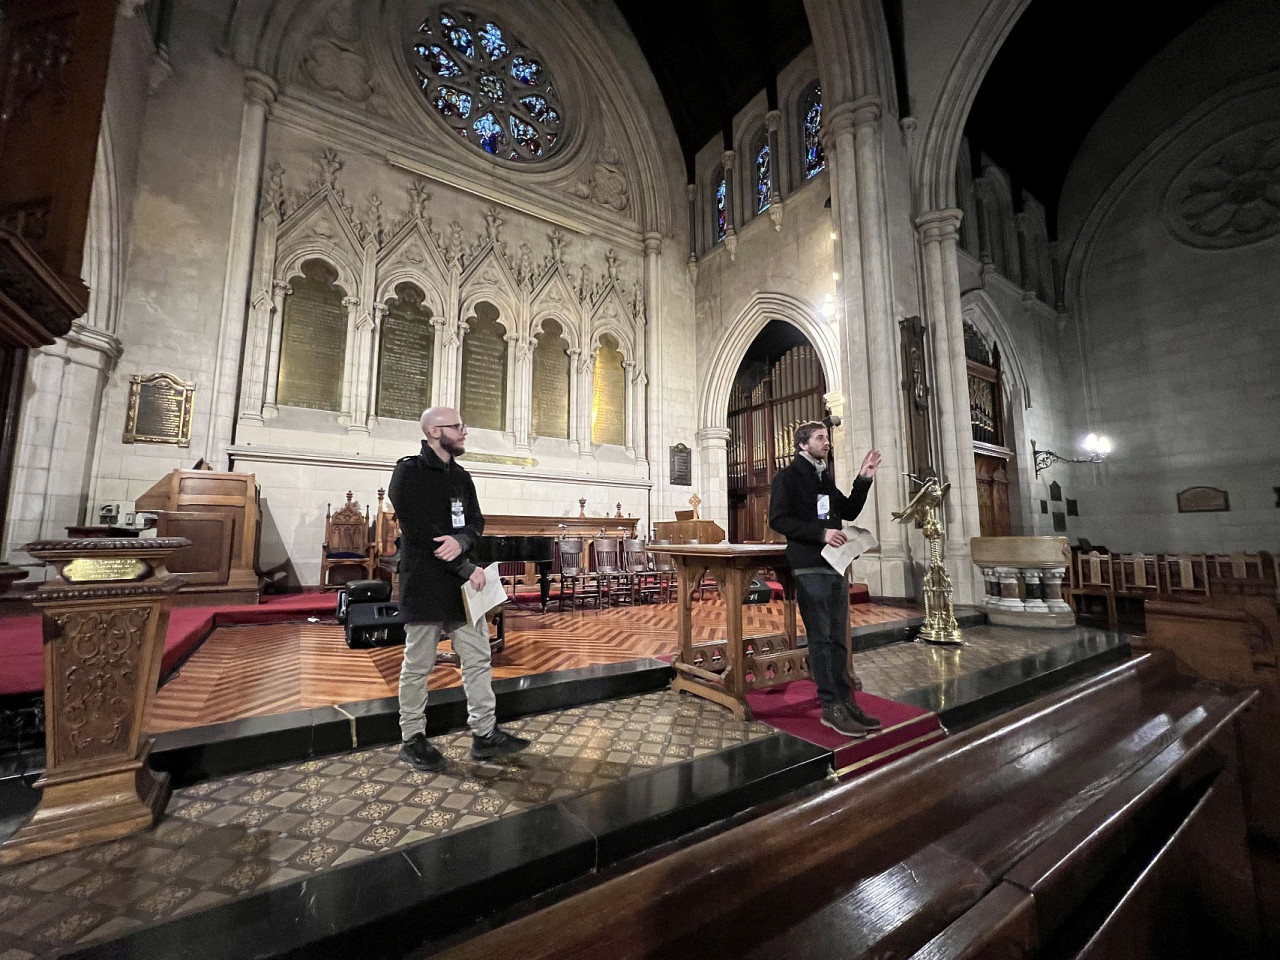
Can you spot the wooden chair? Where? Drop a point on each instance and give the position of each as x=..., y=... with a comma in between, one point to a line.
x=1094, y=576
x=615, y=582
x=578, y=587
x=1186, y=576
x=1137, y=581
x=386, y=544
x=646, y=584
x=1243, y=574
x=348, y=551
x=665, y=568
x=511, y=573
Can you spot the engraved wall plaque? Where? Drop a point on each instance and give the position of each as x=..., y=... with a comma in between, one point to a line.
x=551, y=383
x=313, y=340
x=609, y=404
x=1203, y=500
x=405, y=355
x=159, y=410
x=484, y=371
x=681, y=466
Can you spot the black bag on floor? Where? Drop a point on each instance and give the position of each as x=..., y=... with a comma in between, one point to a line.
x=374, y=625
x=758, y=592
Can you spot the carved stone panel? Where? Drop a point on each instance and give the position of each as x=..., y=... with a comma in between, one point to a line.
x=551, y=383
x=314, y=338
x=405, y=356
x=484, y=371
x=609, y=402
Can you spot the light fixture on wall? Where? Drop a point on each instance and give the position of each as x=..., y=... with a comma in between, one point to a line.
x=1096, y=445
x=829, y=306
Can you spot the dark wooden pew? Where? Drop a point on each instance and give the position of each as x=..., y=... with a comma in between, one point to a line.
x=1062, y=829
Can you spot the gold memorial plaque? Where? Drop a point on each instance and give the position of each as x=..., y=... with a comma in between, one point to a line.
x=404, y=363
x=159, y=410
x=499, y=458
x=484, y=372
x=102, y=569
x=551, y=385
x=313, y=343
x=609, y=403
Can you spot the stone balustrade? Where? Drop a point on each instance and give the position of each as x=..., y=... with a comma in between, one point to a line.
x=1024, y=580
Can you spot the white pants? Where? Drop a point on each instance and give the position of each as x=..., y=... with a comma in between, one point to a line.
x=471, y=644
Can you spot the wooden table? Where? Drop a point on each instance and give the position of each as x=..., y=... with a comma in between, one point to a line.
x=724, y=670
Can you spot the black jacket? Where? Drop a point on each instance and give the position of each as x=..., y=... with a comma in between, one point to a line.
x=793, y=509
x=422, y=490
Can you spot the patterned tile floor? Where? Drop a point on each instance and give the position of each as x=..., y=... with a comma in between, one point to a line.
x=224, y=838
x=899, y=668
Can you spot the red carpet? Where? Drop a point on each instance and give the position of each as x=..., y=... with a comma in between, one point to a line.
x=22, y=653
x=793, y=708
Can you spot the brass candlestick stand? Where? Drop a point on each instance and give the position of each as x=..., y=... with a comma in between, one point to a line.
x=939, y=612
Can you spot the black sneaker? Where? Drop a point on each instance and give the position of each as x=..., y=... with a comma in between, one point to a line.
x=499, y=743
x=420, y=754
x=837, y=718
x=860, y=716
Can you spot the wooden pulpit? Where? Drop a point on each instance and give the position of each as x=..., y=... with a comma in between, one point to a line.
x=218, y=514
x=105, y=618
x=688, y=531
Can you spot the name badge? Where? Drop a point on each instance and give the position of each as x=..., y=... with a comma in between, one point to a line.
x=824, y=506
x=459, y=519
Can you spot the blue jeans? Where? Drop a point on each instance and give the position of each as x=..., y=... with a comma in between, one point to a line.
x=824, y=606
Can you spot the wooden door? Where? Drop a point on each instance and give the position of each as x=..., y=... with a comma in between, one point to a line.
x=993, y=496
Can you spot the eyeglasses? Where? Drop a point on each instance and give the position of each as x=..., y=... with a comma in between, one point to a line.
x=460, y=427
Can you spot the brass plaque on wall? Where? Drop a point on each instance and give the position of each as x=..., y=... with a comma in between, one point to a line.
x=551, y=388
x=681, y=466
x=484, y=376
x=404, y=365
x=609, y=403
x=313, y=346
x=159, y=410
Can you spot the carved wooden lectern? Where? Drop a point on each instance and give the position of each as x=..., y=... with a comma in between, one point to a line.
x=105, y=618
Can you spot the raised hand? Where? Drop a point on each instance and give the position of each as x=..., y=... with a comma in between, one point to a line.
x=870, y=463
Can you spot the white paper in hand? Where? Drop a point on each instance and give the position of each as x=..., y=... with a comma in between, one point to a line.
x=859, y=542
x=480, y=602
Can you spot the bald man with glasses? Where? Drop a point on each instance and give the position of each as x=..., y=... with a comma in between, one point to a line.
x=440, y=519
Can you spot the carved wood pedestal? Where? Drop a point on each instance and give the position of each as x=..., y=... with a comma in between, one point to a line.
x=105, y=618
x=723, y=671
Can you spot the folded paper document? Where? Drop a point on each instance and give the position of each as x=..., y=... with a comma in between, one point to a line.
x=859, y=542
x=480, y=602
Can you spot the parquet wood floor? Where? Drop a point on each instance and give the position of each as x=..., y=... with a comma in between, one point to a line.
x=249, y=671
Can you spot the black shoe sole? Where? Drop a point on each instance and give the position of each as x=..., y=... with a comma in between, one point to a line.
x=873, y=726
x=496, y=752
x=845, y=733
x=422, y=765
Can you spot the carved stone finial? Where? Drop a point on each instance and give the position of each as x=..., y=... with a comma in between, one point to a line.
x=557, y=246
x=612, y=259
x=419, y=196
x=493, y=226
x=582, y=507
x=330, y=164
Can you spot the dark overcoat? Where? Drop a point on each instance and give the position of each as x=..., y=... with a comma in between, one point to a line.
x=423, y=488
x=793, y=509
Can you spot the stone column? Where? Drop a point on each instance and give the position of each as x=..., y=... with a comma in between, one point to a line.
x=1053, y=598
x=275, y=334
x=349, y=364
x=730, y=232
x=1010, y=592
x=629, y=378
x=937, y=232
x=713, y=457
x=438, y=325
x=1034, y=589
x=260, y=91
x=509, y=419
x=523, y=379
x=575, y=436
x=654, y=431
x=375, y=356
x=586, y=377
x=772, y=121
x=992, y=585
x=691, y=191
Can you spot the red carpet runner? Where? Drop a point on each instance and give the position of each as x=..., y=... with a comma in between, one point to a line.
x=793, y=708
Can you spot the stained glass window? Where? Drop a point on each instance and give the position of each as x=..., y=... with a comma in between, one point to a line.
x=721, y=208
x=763, y=164
x=491, y=89
x=811, y=124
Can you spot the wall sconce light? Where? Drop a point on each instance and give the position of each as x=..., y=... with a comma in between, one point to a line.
x=1096, y=445
x=829, y=306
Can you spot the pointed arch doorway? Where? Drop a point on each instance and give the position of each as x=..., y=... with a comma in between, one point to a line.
x=779, y=384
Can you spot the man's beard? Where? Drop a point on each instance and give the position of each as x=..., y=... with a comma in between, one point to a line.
x=455, y=448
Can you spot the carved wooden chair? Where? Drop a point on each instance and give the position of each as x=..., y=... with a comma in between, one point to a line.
x=665, y=568
x=1094, y=577
x=1243, y=574
x=386, y=543
x=348, y=552
x=615, y=582
x=646, y=583
x=578, y=586
x=1185, y=575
